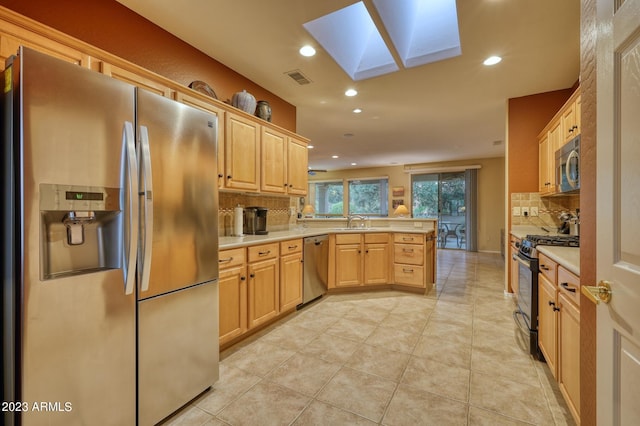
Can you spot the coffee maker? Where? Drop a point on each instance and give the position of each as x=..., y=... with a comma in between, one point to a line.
x=255, y=220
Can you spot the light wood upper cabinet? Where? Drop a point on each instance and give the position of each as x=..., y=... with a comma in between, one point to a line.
x=136, y=79
x=242, y=153
x=571, y=118
x=13, y=36
x=297, y=167
x=273, y=161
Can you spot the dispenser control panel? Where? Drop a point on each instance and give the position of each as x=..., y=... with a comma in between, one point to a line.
x=55, y=197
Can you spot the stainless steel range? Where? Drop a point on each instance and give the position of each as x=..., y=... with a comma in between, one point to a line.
x=526, y=315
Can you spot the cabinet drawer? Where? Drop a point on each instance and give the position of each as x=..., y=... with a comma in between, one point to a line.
x=547, y=267
x=408, y=253
x=408, y=238
x=230, y=258
x=347, y=238
x=291, y=246
x=263, y=252
x=569, y=284
x=409, y=275
x=376, y=238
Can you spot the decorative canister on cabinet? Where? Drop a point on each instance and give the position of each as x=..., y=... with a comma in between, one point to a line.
x=245, y=101
x=263, y=110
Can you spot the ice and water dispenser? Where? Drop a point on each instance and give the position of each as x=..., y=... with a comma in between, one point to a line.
x=81, y=229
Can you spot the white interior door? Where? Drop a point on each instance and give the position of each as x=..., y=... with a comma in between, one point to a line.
x=618, y=211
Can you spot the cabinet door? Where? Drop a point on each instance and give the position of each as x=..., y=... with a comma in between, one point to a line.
x=569, y=354
x=273, y=151
x=242, y=153
x=233, y=303
x=263, y=291
x=13, y=36
x=547, y=322
x=196, y=102
x=136, y=79
x=543, y=165
x=290, y=281
x=297, y=167
x=376, y=263
x=348, y=265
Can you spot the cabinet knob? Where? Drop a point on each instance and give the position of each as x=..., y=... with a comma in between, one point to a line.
x=556, y=309
x=228, y=176
x=243, y=278
x=252, y=275
x=551, y=303
x=566, y=287
x=220, y=175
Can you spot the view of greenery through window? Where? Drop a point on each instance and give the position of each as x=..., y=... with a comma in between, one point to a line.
x=437, y=195
x=366, y=196
x=327, y=197
x=369, y=197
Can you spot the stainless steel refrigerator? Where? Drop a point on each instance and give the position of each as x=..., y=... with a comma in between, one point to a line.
x=110, y=206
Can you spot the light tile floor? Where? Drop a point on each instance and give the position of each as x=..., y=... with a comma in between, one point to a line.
x=453, y=357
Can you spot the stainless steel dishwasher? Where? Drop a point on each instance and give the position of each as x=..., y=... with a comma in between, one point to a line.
x=316, y=268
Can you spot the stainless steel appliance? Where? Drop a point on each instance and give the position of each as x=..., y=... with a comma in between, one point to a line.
x=526, y=314
x=110, y=228
x=568, y=166
x=316, y=268
x=255, y=220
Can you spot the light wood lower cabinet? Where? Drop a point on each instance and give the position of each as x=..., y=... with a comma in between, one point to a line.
x=290, y=274
x=264, y=284
x=232, y=294
x=548, y=322
x=559, y=328
x=569, y=341
x=362, y=259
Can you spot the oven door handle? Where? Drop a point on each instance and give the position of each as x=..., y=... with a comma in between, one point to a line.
x=523, y=262
x=516, y=315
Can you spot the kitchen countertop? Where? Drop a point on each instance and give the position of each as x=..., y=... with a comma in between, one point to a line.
x=228, y=242
x=569, y=257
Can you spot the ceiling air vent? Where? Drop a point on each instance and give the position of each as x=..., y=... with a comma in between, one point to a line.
x=298, y=77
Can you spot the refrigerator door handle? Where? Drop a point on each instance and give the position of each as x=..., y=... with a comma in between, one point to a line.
x=147, y=204
x=130, y=185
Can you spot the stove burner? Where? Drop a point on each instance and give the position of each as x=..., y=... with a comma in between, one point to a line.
x=553, y=240
x=529, y=243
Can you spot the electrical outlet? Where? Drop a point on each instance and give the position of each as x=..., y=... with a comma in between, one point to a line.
x=525, y=211
x=515, y=211
x=534, y=211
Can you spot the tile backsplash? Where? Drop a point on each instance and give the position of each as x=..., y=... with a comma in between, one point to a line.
x=549, y=208
x=282, y=210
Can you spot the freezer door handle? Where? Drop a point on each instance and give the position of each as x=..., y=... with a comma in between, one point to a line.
x=146, y=195
x=130, y=186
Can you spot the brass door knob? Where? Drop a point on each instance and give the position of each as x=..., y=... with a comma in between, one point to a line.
x=601, y=292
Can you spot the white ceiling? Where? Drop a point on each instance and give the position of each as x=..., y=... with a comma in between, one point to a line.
x=449, y=110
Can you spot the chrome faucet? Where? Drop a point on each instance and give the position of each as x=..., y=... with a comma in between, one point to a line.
x=356, y=216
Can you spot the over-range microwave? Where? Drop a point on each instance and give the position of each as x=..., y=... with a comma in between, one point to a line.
x=568, y=166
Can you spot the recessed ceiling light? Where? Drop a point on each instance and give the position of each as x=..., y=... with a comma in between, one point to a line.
x=354, y=164
x=307, y=51
x=357, y=110
x=310, y=147
x=334, y=156
x=492, y=60
x=351, y=92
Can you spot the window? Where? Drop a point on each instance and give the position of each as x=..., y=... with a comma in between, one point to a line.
x=327, y=197
x=369, y=197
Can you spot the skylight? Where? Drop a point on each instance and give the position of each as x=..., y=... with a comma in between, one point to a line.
x=422, y=31
x=352, y=39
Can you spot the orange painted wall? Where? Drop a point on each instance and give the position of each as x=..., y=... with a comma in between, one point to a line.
x=527, y=117
x=112, y=27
